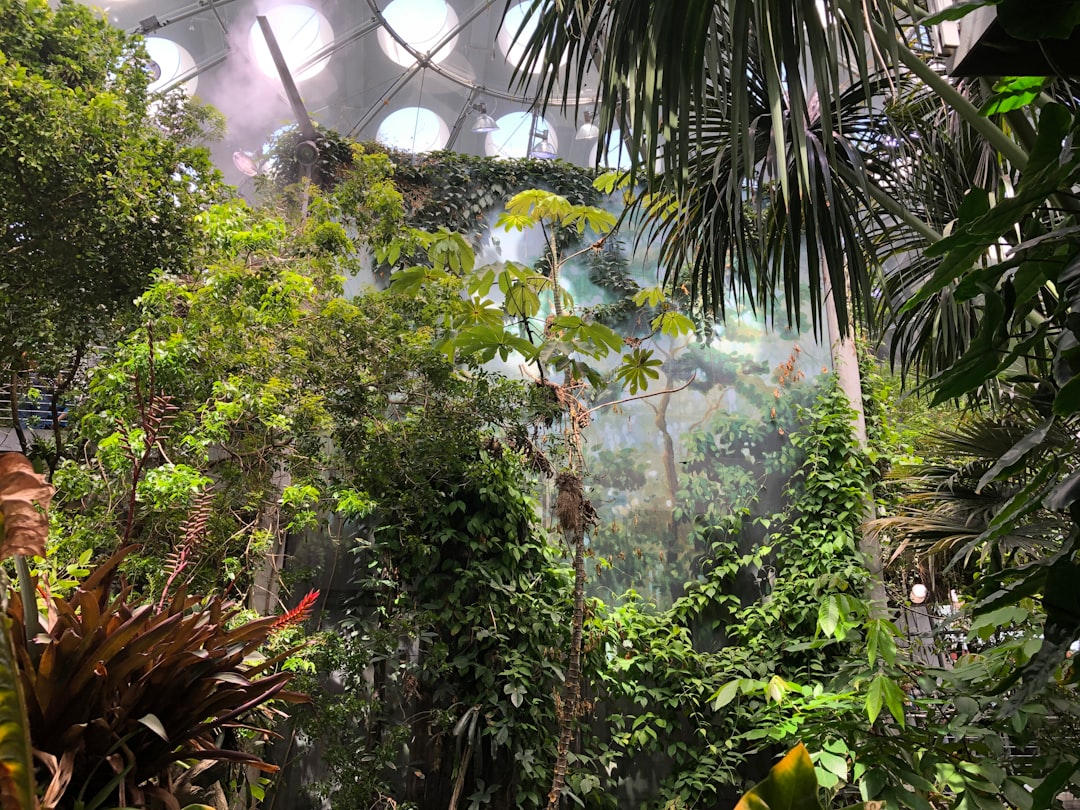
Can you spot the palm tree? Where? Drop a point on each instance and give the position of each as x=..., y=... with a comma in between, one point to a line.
x=770, y=113
x=825, y=130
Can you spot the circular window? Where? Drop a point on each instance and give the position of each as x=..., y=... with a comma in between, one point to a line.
x=517, y=29
x=169, y=62
x=301, y=32
x=414, y=129
x=421, y=23
x=616, y=153
x=513, y=139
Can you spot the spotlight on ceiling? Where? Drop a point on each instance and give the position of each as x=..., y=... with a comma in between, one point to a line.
x=588, y=131
x=483, y=122
x=246, y=163
x=543, y=148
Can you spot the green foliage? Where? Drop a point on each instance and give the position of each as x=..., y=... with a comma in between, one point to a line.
x=96, y=196
x=458, y=192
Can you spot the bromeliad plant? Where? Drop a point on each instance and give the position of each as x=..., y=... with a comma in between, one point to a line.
x=117, y=691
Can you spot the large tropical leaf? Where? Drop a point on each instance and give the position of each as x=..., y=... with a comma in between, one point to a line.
x=985, y=502
x=752, y=72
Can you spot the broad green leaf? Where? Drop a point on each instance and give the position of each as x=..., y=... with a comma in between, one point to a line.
x=883, y=691
x=1064, y=494
x=567, y=322
x=894, y=700
x=1013, y=92
x=673, y=324
x=637, y=369
x=599, y=220
x=724, y=695
x=514, y=222
x=981, y=360
x=833, y=763
x=408, y=281
x=1016, y=454
x=828, y=615
x=1053, y=784
x=1067, y=401
x=480, y=283
x=604, y=336
x=1018, y=794
x=609, y=182
x=649, y=296
x=522, y=302
x=880, y=641
x=957, y=11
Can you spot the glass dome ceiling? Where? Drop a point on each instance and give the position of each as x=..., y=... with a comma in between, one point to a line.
x=410, y=73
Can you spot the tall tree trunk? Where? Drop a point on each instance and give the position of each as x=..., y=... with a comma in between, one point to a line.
x=671, y=478
x=575, y=515
x=846, y=365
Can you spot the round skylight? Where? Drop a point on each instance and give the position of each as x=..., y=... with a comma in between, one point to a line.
x=414, y=129
x=172, y=61
x=616, y=153
x=301, y=32
x=517, y=29
x=512, y=139
x=421, y=23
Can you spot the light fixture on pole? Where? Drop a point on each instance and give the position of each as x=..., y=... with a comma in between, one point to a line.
x=918, y=593
x=484, y=122
x=588, y=131
x=543, y=148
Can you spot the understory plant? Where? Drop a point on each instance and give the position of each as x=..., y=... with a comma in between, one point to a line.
x=114, y=691
x=119, y=691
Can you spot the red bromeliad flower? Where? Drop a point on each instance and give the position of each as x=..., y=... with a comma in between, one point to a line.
x=299, y=613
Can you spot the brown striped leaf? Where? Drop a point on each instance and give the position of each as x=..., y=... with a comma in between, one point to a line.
x=24, y=503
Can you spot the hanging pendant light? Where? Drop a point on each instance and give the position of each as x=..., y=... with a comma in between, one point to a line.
x=484, y=122
x=588, y=131
x=543, y=148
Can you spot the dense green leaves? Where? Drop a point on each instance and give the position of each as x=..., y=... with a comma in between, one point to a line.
x=96, y=196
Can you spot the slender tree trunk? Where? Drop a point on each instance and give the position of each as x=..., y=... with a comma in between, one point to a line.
x=575, y=515
x=263, y=597
x=572, y=694
x=671, y=476
x=846, y=365
x=13, y=405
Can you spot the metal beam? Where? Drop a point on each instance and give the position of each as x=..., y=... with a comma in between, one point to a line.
x=299, y=110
